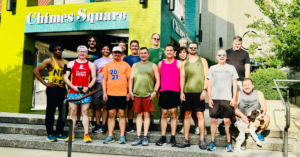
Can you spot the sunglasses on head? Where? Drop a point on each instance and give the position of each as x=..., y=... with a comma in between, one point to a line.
x=193, y=47
x=57, y=49
x=238, y=38
x=220, y=55
x=155, y=38
x=92, y=41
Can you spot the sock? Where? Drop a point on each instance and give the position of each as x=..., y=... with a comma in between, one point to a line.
x=164, y=138
x=172, y=137
x=130, y=122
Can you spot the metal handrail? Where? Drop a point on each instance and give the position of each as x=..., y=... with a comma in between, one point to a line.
x=287, y=116
x=64, y=117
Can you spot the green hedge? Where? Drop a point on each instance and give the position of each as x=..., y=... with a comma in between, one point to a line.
x=263, y=81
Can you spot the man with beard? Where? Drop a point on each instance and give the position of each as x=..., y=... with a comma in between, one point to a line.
x=56, y=90
x=97, y=98
x=81, y=71
x=131, y=59
x=194, y=93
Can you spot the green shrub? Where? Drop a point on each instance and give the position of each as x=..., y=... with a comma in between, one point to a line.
x=263, y=81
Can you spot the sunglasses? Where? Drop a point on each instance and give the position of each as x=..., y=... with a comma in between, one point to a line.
x=238, y=38
x=92, y=41
x=220, y=55
x=57, y=49
x=193, y=47
x=155, y=38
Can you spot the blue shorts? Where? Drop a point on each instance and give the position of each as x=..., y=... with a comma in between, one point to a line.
x=76, y=96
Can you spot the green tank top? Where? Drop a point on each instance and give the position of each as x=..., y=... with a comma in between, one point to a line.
x=194, y=76
x=143, y=79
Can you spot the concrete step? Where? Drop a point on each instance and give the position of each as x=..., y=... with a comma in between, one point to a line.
x=97, y=146
x=272, y=144
x=271, y=131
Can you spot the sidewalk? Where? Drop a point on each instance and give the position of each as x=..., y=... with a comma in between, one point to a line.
x=20, y=152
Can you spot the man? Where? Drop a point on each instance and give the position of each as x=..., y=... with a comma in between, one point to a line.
x=222, y=77
x=182, y=42
x=249, y=100
x=194, y=93
x=169, y=99
x=56, y=90
x=156, y=55
x=131, y=59
x=142, y=91
x=80, y=70
x=97, y=98
x=122, y=45
x=115, y=86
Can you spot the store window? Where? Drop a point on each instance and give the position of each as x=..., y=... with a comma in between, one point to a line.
x=180, y=9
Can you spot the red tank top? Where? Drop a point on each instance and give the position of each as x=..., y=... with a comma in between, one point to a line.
x=80, y=75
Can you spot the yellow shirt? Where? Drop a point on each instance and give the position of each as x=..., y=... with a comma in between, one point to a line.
x=57, y=75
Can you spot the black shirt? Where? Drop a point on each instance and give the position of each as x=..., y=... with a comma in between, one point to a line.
x=238, y=59
x=94, y=55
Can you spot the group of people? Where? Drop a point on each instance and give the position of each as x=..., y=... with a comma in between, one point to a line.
x=175, y=77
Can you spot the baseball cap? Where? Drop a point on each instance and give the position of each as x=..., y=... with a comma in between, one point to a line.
x=117, y=48
x=82, y=47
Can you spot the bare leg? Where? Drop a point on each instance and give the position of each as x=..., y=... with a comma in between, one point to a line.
x=85, y=117
x=173, y=120
x=187, y=124
x=111, y=121
x=122, y=121
x=164, y=121
x=213, y=128
x=139, y=123
x=227, y=125
x=146, y=123
x=73, y=110
x=201, y=124
x=104, y=115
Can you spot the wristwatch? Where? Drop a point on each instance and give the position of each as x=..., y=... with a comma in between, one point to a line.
x=155, y=91
x=205, y=89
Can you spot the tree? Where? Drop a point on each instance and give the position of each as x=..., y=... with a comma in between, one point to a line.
x=282, y=32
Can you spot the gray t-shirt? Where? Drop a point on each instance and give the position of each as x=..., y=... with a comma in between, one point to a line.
x=100, y=63
x=222, y=77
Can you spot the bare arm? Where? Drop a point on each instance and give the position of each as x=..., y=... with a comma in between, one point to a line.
x=182, y=81
x=40, y=68
x=209, y=89
x=205, y=68
x=93, y=75
x=157, y=79
x=247, y=70
x=131, y=82
x=233, y=101
x=104, y=81
x=262, y=102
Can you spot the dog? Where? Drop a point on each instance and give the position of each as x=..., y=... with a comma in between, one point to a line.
x=241, y=129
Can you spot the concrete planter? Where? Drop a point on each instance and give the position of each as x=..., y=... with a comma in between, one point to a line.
x=276, y=111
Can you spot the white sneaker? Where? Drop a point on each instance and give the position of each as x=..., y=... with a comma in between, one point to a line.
x=197, y=131
x=181, y=131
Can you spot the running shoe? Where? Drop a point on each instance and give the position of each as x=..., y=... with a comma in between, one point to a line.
x=96, y=128
x=173, y=142
x=145, y=142
x=181, y=131
x=137, y=141
x=229, y=147
x=122, y=140
x=109, y=139
x=129, y=129
x=87, y=138
x=260, y=137
x=197, y=131
x=51, y=138
x=161, y=142
x=61, y=137
x=202, y=145
x=104, y=129
x=185, y=143
x=222, y=124
x=211, y=146
x=73, y=138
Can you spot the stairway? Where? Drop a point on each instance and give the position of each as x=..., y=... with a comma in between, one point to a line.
x=28, y=131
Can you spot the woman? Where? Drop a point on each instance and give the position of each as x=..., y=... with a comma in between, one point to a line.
x=182, y=54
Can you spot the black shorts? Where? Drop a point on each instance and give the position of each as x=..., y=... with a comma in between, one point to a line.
x=221, y=109
x=169, y=99
x=192, y=102
x=114, y=102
